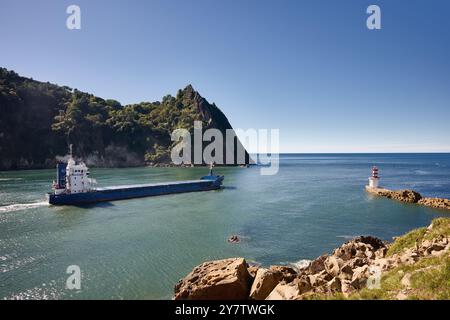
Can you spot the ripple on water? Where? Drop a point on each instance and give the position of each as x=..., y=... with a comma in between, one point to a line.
x=11, y=262
x=47, y=291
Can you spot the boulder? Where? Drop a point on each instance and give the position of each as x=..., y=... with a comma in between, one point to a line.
x=253, y=269
x=334, y=285
x=374, y=242
x=284, y=273
x=265, y=281
x=346, y=271
x=347, y=288
x=406, y=280
x=357, y=262
x=325, y=275
x=290, y=291
x=437, y=203
x=381, y=253
x=317, y=265
x=316, y=280
x=226, y=279
x=333, y=265
x=234, y=239
x=360, y=275
x=361, y=247
x=385, y=264
x=409, y=256
x=303, y=283
x=370, y=254
x=437, y=244
x=284, y=291
x=410, y=196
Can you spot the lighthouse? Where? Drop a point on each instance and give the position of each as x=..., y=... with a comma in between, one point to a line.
x=374, y=179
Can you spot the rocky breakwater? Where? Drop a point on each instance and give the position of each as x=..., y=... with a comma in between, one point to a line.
x=410, y=196
x=345, y=272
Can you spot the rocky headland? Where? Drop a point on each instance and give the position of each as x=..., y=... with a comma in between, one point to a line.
x=410, y=196
x=44, y=119
x=414, y=266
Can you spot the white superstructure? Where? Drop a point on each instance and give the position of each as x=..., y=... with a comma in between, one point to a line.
x=77, y=177
x=72, y=177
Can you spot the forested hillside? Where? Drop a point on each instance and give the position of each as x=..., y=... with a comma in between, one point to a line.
x=39, y=120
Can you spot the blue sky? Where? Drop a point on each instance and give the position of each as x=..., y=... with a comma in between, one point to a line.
x=310, y=68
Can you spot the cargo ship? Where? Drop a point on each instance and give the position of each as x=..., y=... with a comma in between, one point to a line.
x=73, y=186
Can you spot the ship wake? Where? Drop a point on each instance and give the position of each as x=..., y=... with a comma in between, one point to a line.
x=22, y=206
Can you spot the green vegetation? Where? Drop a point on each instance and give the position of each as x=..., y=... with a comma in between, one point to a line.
x=429, y=277
x=430, y=280
x=39, y=120
x=441, y=226
x=406, y=241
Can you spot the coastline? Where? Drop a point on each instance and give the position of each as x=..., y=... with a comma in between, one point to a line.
x=362, y=268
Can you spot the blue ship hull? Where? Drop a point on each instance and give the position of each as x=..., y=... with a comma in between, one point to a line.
x=136, y=191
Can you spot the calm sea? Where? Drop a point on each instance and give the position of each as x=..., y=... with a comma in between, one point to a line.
x=138, y=249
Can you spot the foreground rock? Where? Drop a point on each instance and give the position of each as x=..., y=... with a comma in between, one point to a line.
x=347, y=270
x=226, y=279
x=265, y=281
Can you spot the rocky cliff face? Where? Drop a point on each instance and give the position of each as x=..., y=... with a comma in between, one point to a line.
x=39, y=120
x=363, y=268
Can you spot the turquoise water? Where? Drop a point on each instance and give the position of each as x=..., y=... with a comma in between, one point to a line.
x=138, y=249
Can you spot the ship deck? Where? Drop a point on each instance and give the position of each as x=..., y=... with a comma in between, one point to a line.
x=135, y=186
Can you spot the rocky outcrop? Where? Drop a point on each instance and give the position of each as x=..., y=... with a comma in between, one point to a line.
x=437, y=203
x=226, y=279
x=353, y=266
x=410, y=196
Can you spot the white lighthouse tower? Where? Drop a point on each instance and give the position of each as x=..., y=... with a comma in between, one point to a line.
x=374, y=179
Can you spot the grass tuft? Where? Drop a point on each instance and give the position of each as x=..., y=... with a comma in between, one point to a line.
x=408, y=240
